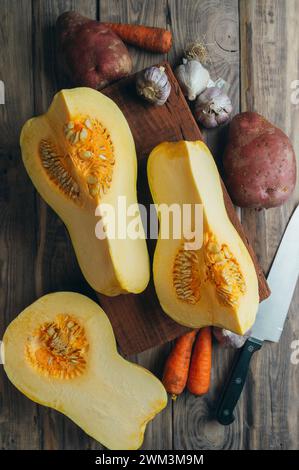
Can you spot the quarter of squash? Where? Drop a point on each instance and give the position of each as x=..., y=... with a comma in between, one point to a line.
x=80, y=155
x=215, y=284
x=61, y=352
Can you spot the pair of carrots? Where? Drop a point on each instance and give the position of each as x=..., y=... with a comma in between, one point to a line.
x=189, y=364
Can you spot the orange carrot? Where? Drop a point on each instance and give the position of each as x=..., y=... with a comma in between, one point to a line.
x=177, y=365
x=201, y=363
x=146, y=37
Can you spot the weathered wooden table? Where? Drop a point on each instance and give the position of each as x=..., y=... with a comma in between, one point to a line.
x=254, y=45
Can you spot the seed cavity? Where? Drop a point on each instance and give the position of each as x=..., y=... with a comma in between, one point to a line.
x=186, y=276
x=58, y=349
x=92, y=153
x=56, y=168
x=224, y=271
x=217, y=265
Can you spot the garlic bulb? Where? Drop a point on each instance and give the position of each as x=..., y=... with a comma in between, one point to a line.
x=153, y=85
x=212, y=108
x=192, y=77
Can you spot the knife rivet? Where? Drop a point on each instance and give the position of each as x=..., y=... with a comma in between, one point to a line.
x=250, y=348
x=238, y=380
x=226, y=412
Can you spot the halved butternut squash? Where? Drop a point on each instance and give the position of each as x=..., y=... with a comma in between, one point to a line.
x=61, y=352
x=80, y=156
x=215, y=284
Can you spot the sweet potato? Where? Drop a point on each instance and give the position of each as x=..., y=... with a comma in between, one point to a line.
x=90, y=54
x=259, y=163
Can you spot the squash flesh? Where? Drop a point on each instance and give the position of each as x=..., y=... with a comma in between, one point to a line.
x=113, y=265
x=185, y=172
x=112, y=399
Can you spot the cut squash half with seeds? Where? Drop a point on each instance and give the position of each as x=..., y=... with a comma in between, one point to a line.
x=60, y=352
x=80, y=156
x=213, y=282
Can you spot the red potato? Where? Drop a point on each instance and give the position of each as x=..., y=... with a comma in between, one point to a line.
x=259, y=163
x=90, y=53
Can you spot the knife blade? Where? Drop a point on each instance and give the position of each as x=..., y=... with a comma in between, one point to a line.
x=282, y=280
x=271, y=316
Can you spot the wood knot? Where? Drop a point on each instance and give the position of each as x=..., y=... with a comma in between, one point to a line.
x=226, y=35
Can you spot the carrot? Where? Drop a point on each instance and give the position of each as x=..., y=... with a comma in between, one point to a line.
x=146, y=37
x=177, y=365
x=201, y=363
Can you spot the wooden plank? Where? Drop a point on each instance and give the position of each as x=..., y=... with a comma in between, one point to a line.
x=153, y=13
x=270, y=47
x=138, y=321
x=56, y=267
x=216, y=23
x=17, y=211
x=36, y=256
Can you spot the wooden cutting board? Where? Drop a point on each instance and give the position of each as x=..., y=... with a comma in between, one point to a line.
x=138, y=320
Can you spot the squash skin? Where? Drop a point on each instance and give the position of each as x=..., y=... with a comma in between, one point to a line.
x=110, y=266
x=191, y=176
x=112, y=400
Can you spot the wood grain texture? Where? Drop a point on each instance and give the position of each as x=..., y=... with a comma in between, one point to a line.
x=269, y=58
x=138, y=321
x=18, y=219
x=36, y=256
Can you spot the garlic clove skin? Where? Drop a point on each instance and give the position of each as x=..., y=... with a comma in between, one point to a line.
x=212, y=108
x=228, y=339
x=207, y=120
x=153, y=85
x=192, y=77
x=222, y=117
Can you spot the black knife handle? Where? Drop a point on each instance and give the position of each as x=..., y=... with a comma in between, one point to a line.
x=234, y=386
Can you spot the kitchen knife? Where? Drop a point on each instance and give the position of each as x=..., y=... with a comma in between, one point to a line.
x=270, y=319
